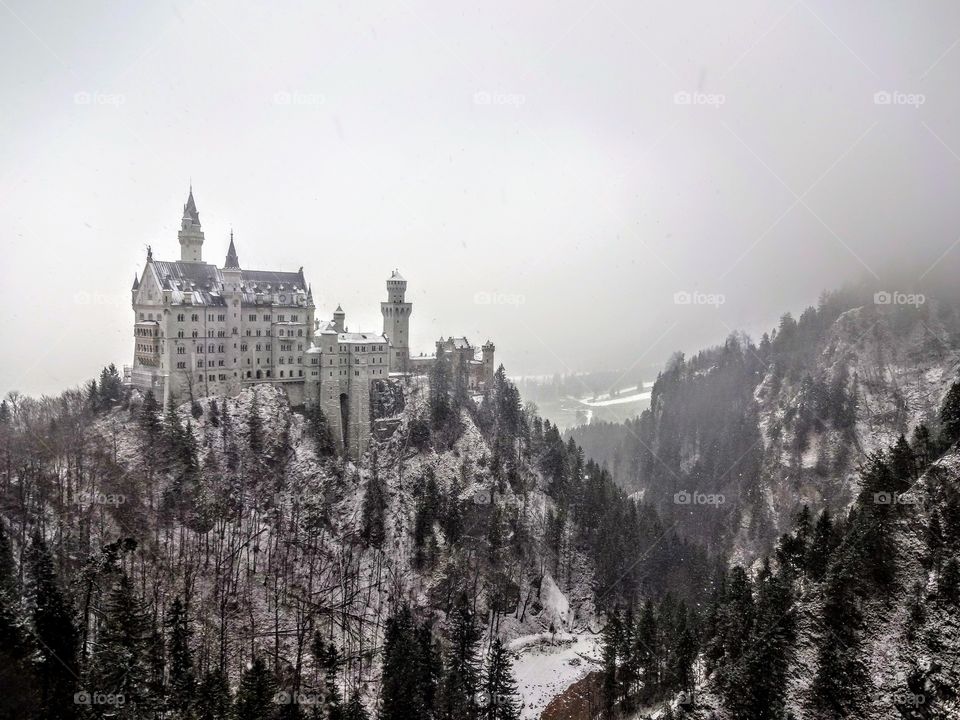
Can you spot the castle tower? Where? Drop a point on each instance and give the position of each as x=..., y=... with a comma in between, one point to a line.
x=233, y=296
x=396, y=322
x=339, y=318
x=190, y=235
x=489, y=369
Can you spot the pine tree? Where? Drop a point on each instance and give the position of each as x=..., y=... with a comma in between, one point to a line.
x=257, y=693
x=934, y=543
x=255, y=428
x=821, y=546
x=950, y=417
x=355, y=709
x=213, y=697
x=948, y=586
x=320, y=431
x=611, y=643
x=501, y=697
x=213, y=413
x=182, y=681
x=840, y=676
x=327, y=658
x=56, y=636
x=462, y=671
x=399, y=668
x=374, y=531
x=119, y=663
x=17, y=680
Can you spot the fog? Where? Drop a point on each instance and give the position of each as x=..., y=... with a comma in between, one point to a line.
x=591, y=185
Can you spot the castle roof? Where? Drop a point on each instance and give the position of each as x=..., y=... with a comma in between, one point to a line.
x=200, y=283
x=357, y=337
x=339, y=311
x=136, y=282
x=232, y=262
x=395, y=275
x=190, y=209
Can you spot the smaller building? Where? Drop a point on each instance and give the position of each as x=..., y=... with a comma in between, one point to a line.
x=463, y=358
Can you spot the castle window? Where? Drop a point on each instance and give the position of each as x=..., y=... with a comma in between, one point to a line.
x=181, y=350
x=268, y=347
x=258, y=375
x=281, y=318
x=194, y=334
x=293, y=318
x=209, y=333
x=181, y=365
x=281, y=373
x=301, y=373
x=267, y=317
x=253, y=318
x=180, y=317
x=249, y=373
x=195, y=317
x=249, y=332
x=243, y=347
x=199, y=363
x=179, y=333
x=210, y=377
x=258, y=332
x=268, y=373
x=210, y=317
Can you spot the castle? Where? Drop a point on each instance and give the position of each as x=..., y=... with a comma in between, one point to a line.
x=201, y=330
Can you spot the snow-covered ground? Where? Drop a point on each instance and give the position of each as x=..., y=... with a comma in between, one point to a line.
x=545, y=668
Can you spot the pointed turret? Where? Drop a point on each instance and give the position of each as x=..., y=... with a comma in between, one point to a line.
x=136, y=282
x=339, y=318
x=232, y=262
x=190, y=209
x=191, y=235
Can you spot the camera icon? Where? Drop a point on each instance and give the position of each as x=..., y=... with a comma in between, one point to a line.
x=882, y=298
x=682, y=498
x=883, y=498
x=682, y=298
x=482, y=98
x=882, y=97
x=82, y=98
x=81, y=698
x=482, y=298
x=282, y=98
x=282, y=698
x=682, y=97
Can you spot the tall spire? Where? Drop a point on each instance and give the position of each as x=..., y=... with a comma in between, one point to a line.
x=190, y=235
x=232, y=262
x=190, y=209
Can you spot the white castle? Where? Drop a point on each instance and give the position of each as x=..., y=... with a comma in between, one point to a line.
x=202, y=331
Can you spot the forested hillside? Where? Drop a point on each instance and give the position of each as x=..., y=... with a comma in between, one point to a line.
x=218, y=560
x=760, y=429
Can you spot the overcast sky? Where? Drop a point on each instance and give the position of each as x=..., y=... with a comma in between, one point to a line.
x=547, y=175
